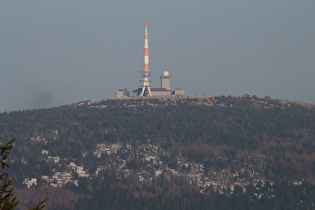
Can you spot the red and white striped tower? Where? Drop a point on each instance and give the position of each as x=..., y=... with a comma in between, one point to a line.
x=146, y=48
x=146, y=73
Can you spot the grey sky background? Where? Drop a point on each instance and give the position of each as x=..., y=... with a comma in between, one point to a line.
x=60, y=52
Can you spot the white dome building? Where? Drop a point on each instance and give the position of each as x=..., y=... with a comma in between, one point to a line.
x=165, y=73
x=166, y=80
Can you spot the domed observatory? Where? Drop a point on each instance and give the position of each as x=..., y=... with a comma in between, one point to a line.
x=123, y=93
x=166, y=80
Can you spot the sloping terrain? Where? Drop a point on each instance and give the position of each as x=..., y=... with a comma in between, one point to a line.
x=165, y=152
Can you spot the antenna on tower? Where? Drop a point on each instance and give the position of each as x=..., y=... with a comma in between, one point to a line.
x=146, y=74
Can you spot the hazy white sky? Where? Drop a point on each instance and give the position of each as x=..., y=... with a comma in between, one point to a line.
x=59, y=52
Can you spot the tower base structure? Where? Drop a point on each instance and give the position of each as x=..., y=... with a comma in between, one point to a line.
x=145, y=83
x=154, y=92
x=146, y=89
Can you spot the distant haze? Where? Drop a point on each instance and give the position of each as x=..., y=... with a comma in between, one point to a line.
x=59, y=52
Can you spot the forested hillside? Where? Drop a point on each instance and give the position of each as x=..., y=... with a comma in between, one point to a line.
x=208, y=152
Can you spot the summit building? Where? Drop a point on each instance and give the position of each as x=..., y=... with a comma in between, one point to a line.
x=145, y=88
